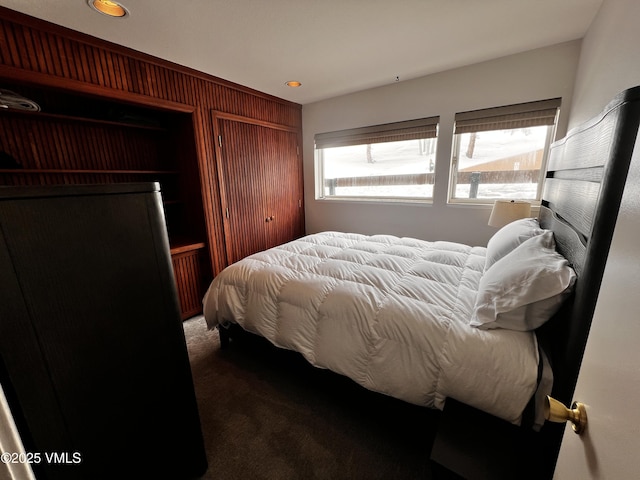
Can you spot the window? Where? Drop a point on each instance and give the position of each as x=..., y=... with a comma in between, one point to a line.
x=390, y=161
x=502, y=152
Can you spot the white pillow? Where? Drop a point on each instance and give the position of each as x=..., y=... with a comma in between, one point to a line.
x=509, y=237
x=524, y=288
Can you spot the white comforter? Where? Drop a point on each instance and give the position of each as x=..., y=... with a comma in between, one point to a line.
x=390, y=313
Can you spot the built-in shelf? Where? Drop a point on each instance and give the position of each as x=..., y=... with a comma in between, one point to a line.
x=81, y=140
x=185, y=246
x=70, y=118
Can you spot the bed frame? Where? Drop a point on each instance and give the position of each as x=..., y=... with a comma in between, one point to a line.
x=585, y=179
x=583, y=188
x=584, y=183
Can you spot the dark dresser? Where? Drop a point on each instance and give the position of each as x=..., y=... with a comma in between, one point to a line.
x=93, y=358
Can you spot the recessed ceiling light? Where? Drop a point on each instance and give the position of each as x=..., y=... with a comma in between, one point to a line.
x=107, y=7
x=293, y=84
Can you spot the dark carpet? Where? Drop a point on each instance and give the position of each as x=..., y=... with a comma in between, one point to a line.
x=268, y=414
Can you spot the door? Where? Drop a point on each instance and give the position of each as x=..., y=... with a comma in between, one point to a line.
x=609, y=380
x=241, y=179
x=283, y=189
x=261, y=184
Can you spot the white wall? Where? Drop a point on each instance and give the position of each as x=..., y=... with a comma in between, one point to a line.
x=609, y=381
x=609, y=59
x=534, y=75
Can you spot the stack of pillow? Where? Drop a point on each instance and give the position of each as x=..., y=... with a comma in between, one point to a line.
x=525, y=279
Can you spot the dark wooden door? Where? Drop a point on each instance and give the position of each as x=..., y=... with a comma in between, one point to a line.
x=261, y=176
x=283, y=188
x=240, y=158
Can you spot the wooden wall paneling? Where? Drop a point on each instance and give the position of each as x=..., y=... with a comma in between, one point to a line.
x=189, y=280
x=13, y=45
x=63, y=52
x=209, y=179
x=39, y=53
x=210, y=188
x=61, y=149
x=57, y=142
x=31, y=56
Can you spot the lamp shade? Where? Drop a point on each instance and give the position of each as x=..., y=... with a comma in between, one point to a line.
x=506, y=211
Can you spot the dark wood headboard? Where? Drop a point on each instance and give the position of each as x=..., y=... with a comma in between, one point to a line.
x=585, y=180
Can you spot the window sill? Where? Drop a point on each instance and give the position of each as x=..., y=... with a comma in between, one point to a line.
x=377, y=201
x=488, y=201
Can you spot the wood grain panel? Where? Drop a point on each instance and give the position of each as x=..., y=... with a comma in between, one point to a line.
x=60, y=142
x=240, y=156
x=41, y=54
x=188, y=277
x=261, y=183
x=284, y=204
x=574, y=201
x=583, y=155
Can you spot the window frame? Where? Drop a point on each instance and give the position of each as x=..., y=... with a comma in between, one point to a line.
x=422, y=128
x=528, y=114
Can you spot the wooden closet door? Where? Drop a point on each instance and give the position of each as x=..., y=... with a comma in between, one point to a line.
x=284, y=199
x=261, y=184
x=241, y=158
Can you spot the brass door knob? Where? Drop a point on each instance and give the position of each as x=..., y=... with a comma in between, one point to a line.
x=555, y=411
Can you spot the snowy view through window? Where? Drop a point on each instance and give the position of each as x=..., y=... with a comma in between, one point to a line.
x=500, y=155
x=408, y=157
x=508, y=161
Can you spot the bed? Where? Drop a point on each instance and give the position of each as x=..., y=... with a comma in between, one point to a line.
x=497, y=327
x=392, y=314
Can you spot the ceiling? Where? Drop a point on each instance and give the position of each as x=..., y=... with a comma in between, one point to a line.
x=333, y=47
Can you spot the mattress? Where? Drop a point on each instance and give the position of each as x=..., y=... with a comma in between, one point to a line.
x=390, y=313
